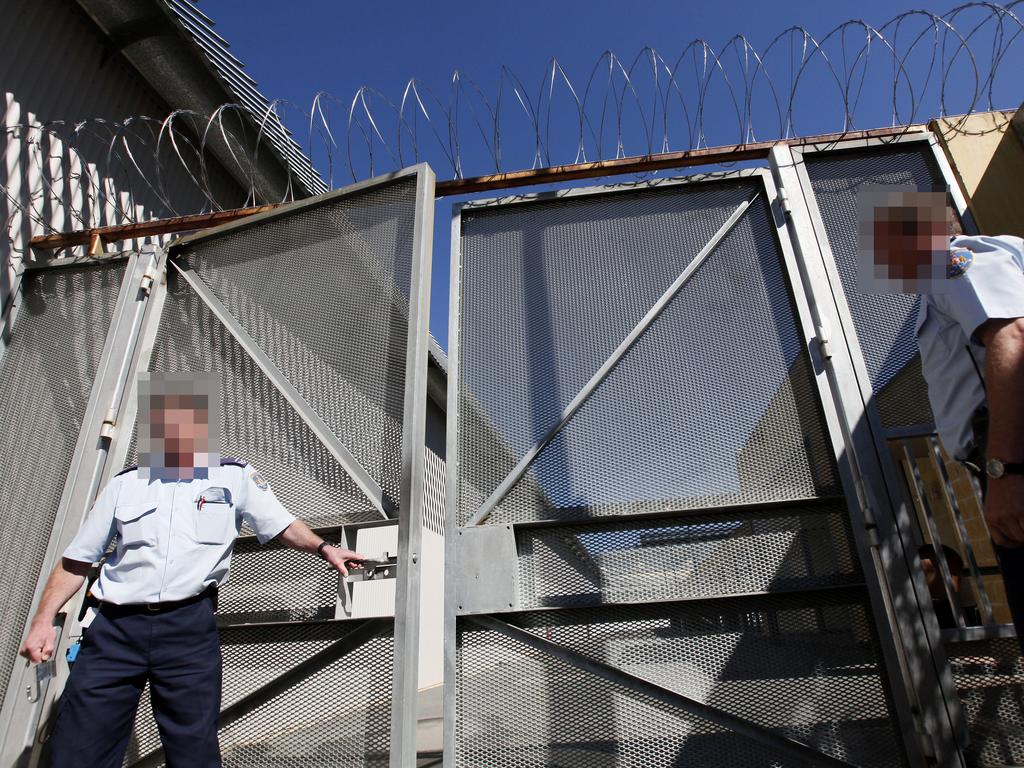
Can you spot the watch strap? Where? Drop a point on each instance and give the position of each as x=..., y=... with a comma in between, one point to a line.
x=320, y=549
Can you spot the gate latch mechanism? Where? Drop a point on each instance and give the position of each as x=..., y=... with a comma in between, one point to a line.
x=374, y=568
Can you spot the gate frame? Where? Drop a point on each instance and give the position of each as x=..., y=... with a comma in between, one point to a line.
x=912, y=607
x=916, y=741
x=21, y=718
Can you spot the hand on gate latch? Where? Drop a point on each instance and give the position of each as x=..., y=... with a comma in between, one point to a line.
x=373, y=568
x=370, y=569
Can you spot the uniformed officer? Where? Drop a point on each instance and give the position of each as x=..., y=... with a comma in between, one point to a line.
x=971, y=337
x=970, y=333
x=175, y=519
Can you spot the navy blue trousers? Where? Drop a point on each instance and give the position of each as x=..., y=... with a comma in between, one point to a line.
x=178, y=653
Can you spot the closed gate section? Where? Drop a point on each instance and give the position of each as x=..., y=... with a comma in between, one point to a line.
x=655, y=556
x=47, y=372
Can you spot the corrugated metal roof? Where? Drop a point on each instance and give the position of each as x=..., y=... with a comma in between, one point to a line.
x=231, y=71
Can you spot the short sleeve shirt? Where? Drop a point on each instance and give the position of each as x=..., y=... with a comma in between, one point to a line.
x=174, y=537
x=989, y=285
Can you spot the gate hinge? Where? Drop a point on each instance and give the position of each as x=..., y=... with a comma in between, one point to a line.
x=823, y=342
x=784, y=200
x=146, y=284
x=109, y=426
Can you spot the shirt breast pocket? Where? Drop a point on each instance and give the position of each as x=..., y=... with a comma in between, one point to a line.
x=215, y=524
x=136, y=524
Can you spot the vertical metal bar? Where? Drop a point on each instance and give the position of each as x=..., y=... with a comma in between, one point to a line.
x=972, y=561
x=19, y=720
x=410, y=513
x=917, y=488
x=452, y=474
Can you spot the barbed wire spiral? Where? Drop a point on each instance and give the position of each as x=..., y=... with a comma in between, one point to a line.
x=916, y=66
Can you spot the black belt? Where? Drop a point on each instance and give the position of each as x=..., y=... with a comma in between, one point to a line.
x=129, y=609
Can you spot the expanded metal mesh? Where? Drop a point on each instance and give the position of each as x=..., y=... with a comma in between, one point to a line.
x=884, y=322
x=46, y=376
x=337, y=715
x=989, y=677
x=272, y=582
x=257, y=423
x=324, y=292
x=549, y=290
x=805, y=669
x=685, y=557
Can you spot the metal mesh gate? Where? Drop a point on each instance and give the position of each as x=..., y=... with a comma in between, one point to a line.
x=308, y=314
x=46, y=376
x=679, y=492
x=984, y=658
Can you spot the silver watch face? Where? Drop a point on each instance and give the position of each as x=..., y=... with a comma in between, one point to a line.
x=994, y=468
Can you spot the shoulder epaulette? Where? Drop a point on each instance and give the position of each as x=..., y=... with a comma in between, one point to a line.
x=126, y=470
x=228, y=461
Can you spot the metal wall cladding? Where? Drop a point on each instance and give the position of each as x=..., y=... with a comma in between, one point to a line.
x=257, y=423
x=884, y=322
x=807, y=673
x=324, y=292
x=46, y=376
x=336, y=713
x=715, y=404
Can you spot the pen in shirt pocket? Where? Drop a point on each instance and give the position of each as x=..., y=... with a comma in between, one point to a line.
x=213, y=495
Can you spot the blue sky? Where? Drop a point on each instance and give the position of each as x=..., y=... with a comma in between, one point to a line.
x=297, y=49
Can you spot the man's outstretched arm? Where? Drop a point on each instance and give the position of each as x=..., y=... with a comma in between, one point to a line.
x=298, y=536
x=67, y=578
x=1004, y=385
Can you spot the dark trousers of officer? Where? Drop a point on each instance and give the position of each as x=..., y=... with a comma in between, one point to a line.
x=177, y=650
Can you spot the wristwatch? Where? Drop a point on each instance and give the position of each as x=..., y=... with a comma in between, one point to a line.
x=995, y=468
x=320, y=549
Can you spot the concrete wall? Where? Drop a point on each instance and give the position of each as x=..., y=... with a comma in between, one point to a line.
x=987, y=156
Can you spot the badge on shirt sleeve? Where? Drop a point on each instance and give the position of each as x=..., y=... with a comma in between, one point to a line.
x=257, y=478
x=960, y=260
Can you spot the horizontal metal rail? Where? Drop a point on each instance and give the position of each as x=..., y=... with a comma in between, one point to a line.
x=757, y=733
x=555, y=174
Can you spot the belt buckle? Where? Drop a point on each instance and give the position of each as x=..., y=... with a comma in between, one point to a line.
x=152, y=607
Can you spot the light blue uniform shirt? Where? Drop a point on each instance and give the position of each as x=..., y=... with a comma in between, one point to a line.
x=952, y=359
x=174, y=536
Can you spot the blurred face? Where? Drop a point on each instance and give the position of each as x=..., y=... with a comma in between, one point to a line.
x=180, y=427
x=904, y=240
x=906, y=237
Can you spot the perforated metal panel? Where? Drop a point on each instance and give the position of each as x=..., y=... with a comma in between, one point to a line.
x=46, y=375
x=568, y=281
x=989, y=677
x=335, y=715
x=257, y=423
x=686, y=557
x=808, y=671
x=884, y=322
x=325, y=293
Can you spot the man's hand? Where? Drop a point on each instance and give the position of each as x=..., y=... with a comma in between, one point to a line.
x=38, y=646
x=342, y=559
x=1004, y=510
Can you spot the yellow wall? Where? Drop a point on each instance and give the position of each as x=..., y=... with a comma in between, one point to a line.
x=987, y=156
